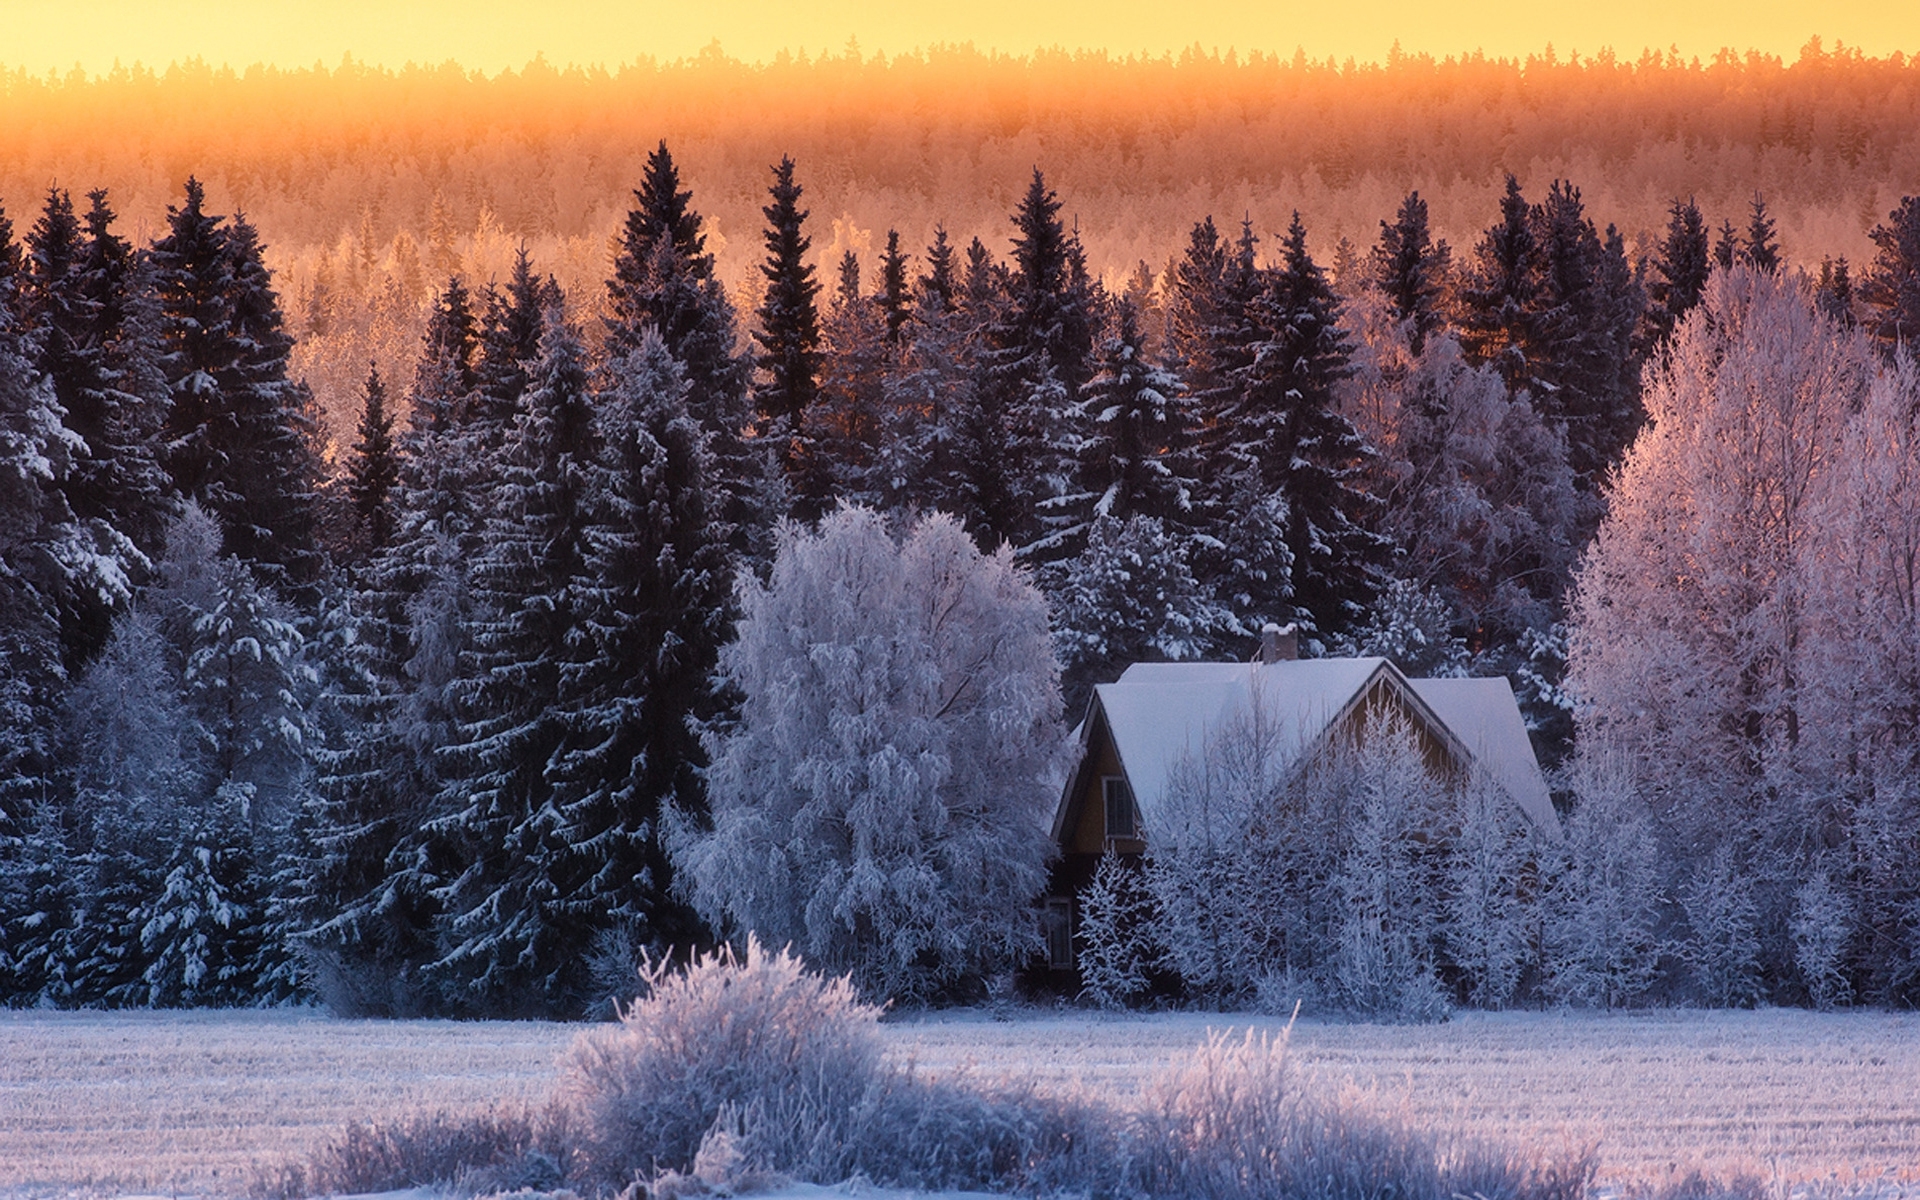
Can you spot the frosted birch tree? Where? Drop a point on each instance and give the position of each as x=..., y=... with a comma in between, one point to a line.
x=882, y=803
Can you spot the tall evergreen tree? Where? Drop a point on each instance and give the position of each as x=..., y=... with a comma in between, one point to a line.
x=1890, y=293
x=1761, y=252
x=1137, y=459
x=239, y=432
x=1498, y=295
x=1300, y=447
x=503, y=946
x=1411, y=268
x=374, y=470
x=1681, y=270
x=789, y=333
x=663, y=279
x=1041, y=352
x=1833, y=291
x=893, y=297
x=653, y=612
x=843, y=429
x=37, y=540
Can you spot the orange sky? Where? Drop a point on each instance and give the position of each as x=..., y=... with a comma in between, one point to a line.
x=40, y=35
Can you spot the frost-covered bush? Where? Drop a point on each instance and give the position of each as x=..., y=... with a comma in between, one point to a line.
x=722, y=1035
x=882, y=803
x=1723, y=945
x=1329, y=875
x=1821, y=925
x=1235, y=1122
x=1115, y=934
x=757, y=1067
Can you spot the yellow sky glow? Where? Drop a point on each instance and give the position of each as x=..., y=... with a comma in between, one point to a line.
x=44, y=35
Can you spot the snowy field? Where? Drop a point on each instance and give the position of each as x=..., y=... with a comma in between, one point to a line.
x=187, y=1102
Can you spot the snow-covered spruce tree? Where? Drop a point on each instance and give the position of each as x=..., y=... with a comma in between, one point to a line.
x=1890, y=293
x=392, y=652
x=789, y=334
x=239, y=432
x=83, y=305
x=1129, y=597
x=1492, y=897
x=39, y=551
x=374, y=470
x=844, y=426
x=1680, y=269
x=1115, y=934
x=929, y=390
x=882, y=802
x=1038, y=361
x=1411, y=270
x=1604, y=913
x=503, y=948
x=1137, y=456
x=663, y=279
x=653, y=611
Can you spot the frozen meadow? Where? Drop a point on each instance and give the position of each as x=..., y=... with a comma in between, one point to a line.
x=190, y=1103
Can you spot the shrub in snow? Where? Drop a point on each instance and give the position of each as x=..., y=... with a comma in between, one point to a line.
x=1235, y=1122
x=1115, y=934
x=882, y=803
x=1723, y=942
x=743, y=1067
x=1603, y=918
x=1821, y=924
x=722, y=1035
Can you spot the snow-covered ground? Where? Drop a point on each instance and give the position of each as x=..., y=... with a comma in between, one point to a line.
x=187, y=1102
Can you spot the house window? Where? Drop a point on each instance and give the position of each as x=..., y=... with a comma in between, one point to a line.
x=1059, y=925
x=1120, y=818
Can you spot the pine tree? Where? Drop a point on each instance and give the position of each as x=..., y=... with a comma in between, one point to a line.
x=65, y=320
x=1761, y=252
x=1137, y=458
x=1726, y=247
x=1684, y=260
x=843, y=428
x=1293, y=438
x=663, y=278
x=928, y=393
x=1833, y=292
x=789, y=333
x=503, y=947
x=37, y=540
x=653, y=612
x=1498, y=293
x=374, y=471
x=1890, y=293
x=1412, y=269
x=893, y=298
x=240, y=433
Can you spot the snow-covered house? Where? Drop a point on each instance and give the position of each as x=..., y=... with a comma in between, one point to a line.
x=1159, y=717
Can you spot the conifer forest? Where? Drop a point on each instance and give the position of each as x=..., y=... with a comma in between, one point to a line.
x=437, y=577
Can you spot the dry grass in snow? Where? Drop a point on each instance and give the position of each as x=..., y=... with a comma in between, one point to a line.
x=187, y=1102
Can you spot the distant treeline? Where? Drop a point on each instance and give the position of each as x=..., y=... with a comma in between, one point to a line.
x=372, y=172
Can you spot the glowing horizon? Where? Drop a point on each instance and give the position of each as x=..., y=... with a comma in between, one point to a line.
x=491, y=36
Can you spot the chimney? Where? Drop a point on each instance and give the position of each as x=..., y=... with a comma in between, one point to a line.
x=1279, y=644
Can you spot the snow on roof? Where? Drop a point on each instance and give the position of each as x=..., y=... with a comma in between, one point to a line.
x=1161, y=714
x=1484, y=715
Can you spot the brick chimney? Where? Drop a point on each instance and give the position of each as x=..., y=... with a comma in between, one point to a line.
x=1279, y=643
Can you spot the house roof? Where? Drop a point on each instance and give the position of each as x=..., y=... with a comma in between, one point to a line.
x=1161, y=714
